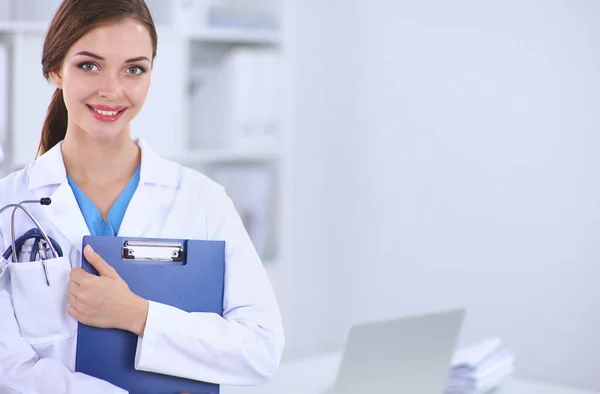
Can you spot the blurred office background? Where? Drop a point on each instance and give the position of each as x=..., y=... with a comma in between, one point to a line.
x=389, y=157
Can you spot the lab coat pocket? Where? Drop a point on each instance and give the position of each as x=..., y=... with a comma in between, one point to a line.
x=41, y=309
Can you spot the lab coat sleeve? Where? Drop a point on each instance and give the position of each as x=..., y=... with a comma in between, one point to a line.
x=244, y=346
x=23, y=371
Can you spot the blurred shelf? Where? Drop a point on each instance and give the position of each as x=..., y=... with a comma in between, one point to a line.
x=202, y=156
x=275, y=272
x=223, y=35
x=23, y=27
x=201, y=73
x=271, y=265
x=235, y=36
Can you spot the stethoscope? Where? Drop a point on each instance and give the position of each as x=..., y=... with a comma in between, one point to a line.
x=41, y=240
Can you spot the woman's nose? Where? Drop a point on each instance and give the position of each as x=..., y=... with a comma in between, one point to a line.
x=111, y=89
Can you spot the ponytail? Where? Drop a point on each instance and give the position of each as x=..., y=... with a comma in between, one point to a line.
x=55, y=125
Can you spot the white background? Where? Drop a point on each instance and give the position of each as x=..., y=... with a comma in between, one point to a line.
x=449, y=156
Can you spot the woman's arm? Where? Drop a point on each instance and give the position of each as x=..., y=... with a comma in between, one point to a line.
x=22, y=370
x=244, y=346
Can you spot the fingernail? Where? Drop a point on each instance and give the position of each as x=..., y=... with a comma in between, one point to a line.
x=88, y=249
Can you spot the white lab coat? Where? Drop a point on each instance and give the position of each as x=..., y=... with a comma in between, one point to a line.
x=38, y=337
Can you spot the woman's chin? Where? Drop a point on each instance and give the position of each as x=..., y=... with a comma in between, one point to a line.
x=106, y=134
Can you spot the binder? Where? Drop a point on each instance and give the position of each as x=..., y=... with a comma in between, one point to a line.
x=187, y=274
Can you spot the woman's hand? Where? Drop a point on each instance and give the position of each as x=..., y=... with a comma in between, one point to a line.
x=105, y=300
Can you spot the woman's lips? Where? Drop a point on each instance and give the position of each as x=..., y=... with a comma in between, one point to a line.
x=105, y=113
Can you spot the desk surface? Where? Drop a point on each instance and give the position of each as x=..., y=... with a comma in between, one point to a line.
x=314, y=375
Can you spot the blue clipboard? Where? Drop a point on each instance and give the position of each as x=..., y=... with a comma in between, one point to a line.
x=187, y=274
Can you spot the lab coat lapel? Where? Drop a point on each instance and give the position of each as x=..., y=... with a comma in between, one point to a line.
x=66, y=216
x=159, y=179
x=142, y=211
x=159, y=182
x=48, y=178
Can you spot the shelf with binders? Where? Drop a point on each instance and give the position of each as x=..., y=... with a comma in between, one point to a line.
x=255, y=22
x=31, y=15
x=234, y=123
x=235, y=98
x=234, y=77
x=224, y=112
x=235, y=133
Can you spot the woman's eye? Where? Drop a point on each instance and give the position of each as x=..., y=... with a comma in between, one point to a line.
x=88, y=66
x=135, y=70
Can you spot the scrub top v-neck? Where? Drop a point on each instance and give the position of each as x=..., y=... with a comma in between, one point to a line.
x=92, y=216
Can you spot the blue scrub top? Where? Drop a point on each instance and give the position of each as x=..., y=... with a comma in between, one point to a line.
x=93, y=219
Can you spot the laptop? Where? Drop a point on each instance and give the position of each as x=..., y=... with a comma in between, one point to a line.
x=410, y=355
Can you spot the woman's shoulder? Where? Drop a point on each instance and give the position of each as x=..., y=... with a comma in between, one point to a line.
x=169, y=171
x=14, y=181
x=199, y=184
x=204, y=196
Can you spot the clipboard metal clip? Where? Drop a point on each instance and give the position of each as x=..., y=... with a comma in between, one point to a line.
x=153, y=251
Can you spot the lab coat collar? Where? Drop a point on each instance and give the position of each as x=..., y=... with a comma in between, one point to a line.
x=158, y=183
x=155, y=169
x=49, y=169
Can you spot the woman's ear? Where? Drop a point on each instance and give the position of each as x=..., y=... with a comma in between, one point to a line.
x=56, y=79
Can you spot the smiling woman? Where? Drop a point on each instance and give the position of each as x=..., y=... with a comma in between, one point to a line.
x=99, y=55
x=82, y=52
x=115, y=85
x=98, y=78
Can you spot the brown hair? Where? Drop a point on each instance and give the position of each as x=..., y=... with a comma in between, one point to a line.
x=73, y=20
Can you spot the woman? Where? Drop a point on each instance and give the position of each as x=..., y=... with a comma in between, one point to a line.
x=99, y=54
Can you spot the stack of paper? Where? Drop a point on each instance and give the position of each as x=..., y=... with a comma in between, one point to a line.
x=480, y=368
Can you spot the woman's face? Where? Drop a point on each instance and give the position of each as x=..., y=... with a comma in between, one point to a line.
x=105, y=77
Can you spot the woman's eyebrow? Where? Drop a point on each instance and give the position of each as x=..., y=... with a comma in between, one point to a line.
x=137, y=59
x=90, y=54
x=132, y=60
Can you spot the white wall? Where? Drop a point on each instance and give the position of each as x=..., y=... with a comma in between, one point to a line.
x=482, y=148
x=322, y=176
